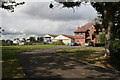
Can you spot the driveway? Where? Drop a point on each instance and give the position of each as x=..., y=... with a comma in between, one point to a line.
x=44, y=63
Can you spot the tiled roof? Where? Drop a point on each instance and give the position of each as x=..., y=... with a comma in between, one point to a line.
x=69, y=36
x=85, y=27
x=80, y=29
x=53, y=35
x=79, y=37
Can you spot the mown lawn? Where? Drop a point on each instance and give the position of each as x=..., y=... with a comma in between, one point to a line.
x=10, y=65
x=90, y=55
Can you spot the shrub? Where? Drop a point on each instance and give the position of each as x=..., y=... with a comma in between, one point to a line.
x=102, y=38
x=59, y=42
x=114, y=47
x=115, y=53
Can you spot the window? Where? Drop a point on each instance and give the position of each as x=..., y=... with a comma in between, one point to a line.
x=81, y=34
x=77, y=34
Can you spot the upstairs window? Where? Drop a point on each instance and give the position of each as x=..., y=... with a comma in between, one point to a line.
x=77, y=34
x=81, y=34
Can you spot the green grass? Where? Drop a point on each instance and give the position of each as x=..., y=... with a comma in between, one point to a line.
x=10, y=65
x=91, y=55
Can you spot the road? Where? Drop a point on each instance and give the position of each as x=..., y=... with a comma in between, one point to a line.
x=44, y=63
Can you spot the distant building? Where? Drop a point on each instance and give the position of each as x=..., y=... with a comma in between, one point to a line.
x=82, y=35
x=49, y=37
x=65, y=38
x=16, y=41
x=85, y=34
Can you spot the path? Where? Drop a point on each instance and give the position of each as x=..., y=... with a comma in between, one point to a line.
x=43, y=63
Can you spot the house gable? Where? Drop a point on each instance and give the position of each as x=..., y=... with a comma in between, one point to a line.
x=85, y=33
x=61, y=37
x=47, y=35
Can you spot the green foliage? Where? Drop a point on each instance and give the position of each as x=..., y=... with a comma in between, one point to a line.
x=32, y=39
x=9, y=4
x=89, y=55
x=115, y=47
x=98, y=27
x=11, y=67
x=40, y=39
x=102, y=38
x=93, y=36
x=115, y=53
x=24, y=39
x=4, y=43
x=68, y=4
x=59, y=42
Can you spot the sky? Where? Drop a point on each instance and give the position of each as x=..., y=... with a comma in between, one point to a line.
x=37, y=19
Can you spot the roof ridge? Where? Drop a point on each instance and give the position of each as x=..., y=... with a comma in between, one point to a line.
x=69, y=36
x=52, y=35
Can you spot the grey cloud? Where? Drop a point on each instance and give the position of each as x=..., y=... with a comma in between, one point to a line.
x=42, y=11
x=36, y=19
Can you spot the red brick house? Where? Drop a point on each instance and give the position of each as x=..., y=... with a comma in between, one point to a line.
x=85, y=34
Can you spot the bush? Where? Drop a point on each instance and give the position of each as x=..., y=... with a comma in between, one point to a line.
x=102, y=38
x=59, y=42
x=114, y=47
x=115, y=53
x=4, y=43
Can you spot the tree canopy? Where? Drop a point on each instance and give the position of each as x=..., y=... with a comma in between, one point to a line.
x=110, y=15
x=9, y=4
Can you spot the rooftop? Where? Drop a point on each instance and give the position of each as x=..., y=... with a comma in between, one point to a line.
x=85, y=27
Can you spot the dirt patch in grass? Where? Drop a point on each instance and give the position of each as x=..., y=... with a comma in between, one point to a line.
x=10, y=65
x=90, y=55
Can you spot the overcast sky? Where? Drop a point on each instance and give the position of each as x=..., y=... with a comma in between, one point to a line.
x=37, y=19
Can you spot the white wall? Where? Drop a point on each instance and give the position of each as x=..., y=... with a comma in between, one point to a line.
x=61, y=37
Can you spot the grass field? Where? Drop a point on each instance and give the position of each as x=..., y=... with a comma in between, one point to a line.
x=12, y=68
x=10, y=65
x=91, y=55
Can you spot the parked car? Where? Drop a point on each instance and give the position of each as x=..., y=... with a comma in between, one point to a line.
x=70, y=43
x=89, y=44
x=86, y=44
x=22, y=43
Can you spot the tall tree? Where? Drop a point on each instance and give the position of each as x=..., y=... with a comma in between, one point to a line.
x=39, y=39
x=32, y=39
x=108, y=11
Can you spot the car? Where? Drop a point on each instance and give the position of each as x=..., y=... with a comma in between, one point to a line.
x=70, y=43
x=86, y=44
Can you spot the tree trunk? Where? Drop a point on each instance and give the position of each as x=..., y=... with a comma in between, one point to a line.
x=108, y=23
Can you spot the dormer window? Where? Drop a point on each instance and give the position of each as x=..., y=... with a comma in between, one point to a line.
x=77, y=34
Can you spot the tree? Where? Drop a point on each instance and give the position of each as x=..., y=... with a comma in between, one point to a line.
x=110, y=12
x=59, y=42
x=102, y=38
x=9, y=4
x=23, y=39
x=40, y=39
x=32, y=39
